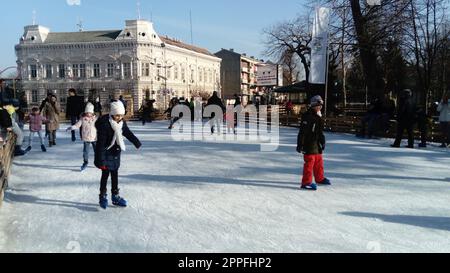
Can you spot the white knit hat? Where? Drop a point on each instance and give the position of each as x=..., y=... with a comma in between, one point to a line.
x=117, y=108
x=89, y=108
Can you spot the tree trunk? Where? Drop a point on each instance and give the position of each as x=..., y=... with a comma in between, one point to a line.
x=367, y=52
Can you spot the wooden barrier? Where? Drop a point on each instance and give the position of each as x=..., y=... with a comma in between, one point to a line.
x=352, y=125
x=6, y=158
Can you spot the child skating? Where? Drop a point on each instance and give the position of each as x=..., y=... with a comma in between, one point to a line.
x=36, y=120
x=311, y=143
x=88, y=132
x=111, y=130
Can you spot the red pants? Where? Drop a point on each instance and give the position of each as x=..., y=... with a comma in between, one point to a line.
x=313, y=165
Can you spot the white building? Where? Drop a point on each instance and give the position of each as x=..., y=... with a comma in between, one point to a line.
x=134, y=62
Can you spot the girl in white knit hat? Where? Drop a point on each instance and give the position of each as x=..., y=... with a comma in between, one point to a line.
x=88, y=132
x=111, y=130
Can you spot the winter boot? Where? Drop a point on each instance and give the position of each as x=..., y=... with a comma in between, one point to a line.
x=103, y=201
x=18, y=151
x=43, y=148
x=311, y=187
x=422, y=145
x=84, y=166
x=325, y=182
x=28, y=149
x=119, y=201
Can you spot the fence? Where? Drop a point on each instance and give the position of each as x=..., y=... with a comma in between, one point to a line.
x=6, y=157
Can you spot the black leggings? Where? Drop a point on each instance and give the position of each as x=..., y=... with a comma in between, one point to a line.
x=114, y=182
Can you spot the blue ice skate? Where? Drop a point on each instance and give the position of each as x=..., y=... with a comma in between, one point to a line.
x=103, y=201
x=325, y=182
x=312, y=187
x=84, y=166
x=119, y=201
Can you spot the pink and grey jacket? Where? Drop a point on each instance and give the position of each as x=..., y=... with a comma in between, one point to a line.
x=36, y=122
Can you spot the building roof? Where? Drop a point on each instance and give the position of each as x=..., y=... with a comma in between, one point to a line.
x=109, y=36
x=82, y=36
x=180, y=44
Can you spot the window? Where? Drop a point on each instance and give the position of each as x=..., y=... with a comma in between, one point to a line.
x=200, y=74
x=127, y=70
x=169, y=73
x=82, y=71
x=110, y=70
x=158, y=73
x=183, y=74
x=175, y=72
x=192, y=75
x=33, y=71
x=34, y=96
x=48, y=71
x=75, y=71
x=62, y=71
x=96, y=70
x=146, y=70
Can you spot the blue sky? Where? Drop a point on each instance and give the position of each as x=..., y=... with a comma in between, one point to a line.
x=217, y=24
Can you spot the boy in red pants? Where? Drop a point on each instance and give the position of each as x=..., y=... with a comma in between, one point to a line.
x=311, y=143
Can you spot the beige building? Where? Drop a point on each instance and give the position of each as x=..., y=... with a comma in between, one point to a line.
x=134, y=62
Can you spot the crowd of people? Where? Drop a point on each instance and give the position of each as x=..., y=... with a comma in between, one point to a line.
x=407, y=115
x=105, y=133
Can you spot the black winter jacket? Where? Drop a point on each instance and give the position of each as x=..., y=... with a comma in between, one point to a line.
x=215, y=100
x=406, y=111
x=5, y=119
x=311, y=139
x=75, y=106
x=110, y=158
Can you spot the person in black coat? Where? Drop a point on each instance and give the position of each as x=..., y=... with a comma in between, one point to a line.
x=406, y=119
x=5, y=119
x=110, y=143
x=372, y=116
x=422, y=124
x=215, y=117
x=74, y=109
x=311, y=143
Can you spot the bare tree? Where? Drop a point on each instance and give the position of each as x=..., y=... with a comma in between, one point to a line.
x=290, y=67
x=427, y=37
x=290, y=37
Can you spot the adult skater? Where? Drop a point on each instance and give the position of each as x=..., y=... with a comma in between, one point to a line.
x=215, y=117
x=74, y=109
x=405, y=118
x=311, y=143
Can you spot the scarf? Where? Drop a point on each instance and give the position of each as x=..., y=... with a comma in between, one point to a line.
x=118, y=136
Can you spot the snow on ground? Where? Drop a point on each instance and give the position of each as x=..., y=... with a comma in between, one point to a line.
x=230, y=197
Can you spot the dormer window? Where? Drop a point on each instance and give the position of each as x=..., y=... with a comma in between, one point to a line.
x=128, y=34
